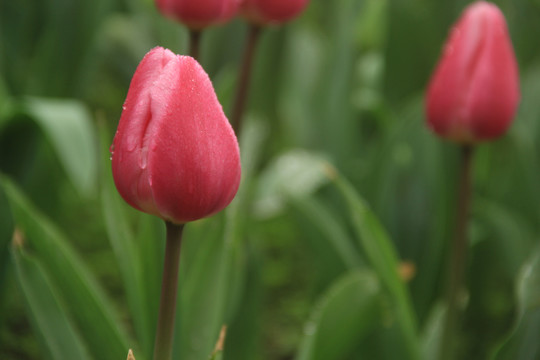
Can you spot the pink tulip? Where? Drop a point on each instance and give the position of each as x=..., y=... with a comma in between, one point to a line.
x=474, y=92
x=265, y=12
x=198, y=14
x=174, y=154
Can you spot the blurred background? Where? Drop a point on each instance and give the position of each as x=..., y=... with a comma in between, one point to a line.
x=342, y=86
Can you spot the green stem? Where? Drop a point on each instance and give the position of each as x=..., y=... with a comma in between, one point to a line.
x=244, y=78
x=194, y=43
x=458, y=256
x=167, y=307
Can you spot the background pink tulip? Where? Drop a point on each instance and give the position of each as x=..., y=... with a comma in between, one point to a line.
x=272, y=11
x=197, y=14
x=474, y=92
x=175, y=154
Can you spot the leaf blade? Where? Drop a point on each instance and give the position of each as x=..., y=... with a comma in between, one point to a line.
x=47, y=315
x=68, y=126
x=342, y=317
x=98, y=323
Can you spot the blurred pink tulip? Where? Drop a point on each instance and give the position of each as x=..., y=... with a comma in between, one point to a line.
x=174, y=154
x=266, y=12
x=474, y=92
x=198, y=14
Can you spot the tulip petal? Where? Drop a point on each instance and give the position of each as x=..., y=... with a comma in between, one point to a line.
x=128, y=155
x=272, y=11
x=194, y=155
x=198, y=14
x=174, y=155
x=474, y=92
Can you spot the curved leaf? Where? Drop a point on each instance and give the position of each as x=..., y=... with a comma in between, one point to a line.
x=68, y=126
x=523, y=344
x=51, y=323
x=80, y=292
x=383, y=257
x=342, y=317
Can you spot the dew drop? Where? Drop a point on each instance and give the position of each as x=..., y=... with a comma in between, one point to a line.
x=143, y=159
x=131, y=142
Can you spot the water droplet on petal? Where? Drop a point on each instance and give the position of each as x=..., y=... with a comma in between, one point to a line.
x=143, y=159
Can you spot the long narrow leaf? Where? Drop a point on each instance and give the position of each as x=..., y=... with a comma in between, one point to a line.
x=522, y=343
x=6, y=230
x=87, y=303
x=382, y=255
x=48, y=317
x=68, y=126
x=327, y=224
x=342, y=318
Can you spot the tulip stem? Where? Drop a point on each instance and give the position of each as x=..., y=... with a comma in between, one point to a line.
x=458, y=259
x=194, y=43
x=167, y=307
x=244, y=78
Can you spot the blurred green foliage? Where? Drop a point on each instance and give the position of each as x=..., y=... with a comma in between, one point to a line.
x=293, y=267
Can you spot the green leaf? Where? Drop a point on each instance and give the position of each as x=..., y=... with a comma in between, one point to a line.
x=297, y=173
x=218, y=355
x=522, y=343
x=4, y=101
x=382, y=255
x=327, y=224
x=432, y=333
x=6, y=231
x=342, y=318
x=68, y=126
x=80, y=292
x=244, y=326
x=202, y=290
x=123, y=244
x=48, y=317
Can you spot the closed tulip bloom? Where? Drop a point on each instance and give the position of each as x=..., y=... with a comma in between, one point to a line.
x=474, y=92
x=198, y=14
x=174, y=154
x=264, y=12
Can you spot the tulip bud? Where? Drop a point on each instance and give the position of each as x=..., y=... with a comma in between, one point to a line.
x=264, y=12
x=174, y=154
x=474, y=92
x=198, y=14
